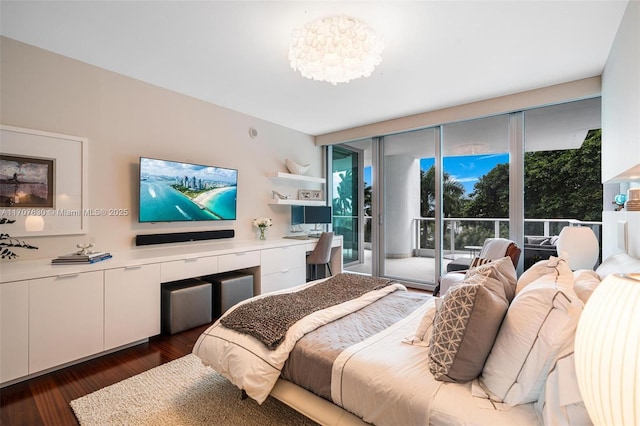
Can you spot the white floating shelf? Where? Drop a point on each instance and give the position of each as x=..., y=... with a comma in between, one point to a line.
x=297, y=202
x=298, y=178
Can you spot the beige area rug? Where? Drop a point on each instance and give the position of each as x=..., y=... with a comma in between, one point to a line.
x=181, y=392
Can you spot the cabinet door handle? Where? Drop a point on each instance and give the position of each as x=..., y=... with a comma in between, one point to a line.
x=243, y=253
x=285, y=270
x=133, y=267
x=191, y=260
x=69, y=275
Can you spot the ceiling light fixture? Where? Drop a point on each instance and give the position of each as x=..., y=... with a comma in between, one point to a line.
x=472, y=149
x=335, y=49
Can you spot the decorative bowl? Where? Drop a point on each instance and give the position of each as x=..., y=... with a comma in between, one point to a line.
x=295, y=168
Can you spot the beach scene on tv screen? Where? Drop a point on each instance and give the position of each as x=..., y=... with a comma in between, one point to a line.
x=173, y=191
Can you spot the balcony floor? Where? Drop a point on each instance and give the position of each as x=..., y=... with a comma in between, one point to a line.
x=414, y=269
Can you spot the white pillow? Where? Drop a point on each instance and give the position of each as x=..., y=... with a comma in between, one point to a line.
x=449, y=280
x=423, y=333
x=540, y=323
x=541, y=268
x=620, y=263
x=584, y=282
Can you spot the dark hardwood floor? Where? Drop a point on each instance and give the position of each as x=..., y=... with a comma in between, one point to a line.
x=45, y=400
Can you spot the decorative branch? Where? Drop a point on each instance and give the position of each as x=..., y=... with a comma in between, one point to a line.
x=8, y=241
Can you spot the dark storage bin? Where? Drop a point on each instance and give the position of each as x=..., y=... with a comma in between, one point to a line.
x=229, y=289
x=185, y=304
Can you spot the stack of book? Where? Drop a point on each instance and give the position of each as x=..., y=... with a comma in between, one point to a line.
x=81, y=258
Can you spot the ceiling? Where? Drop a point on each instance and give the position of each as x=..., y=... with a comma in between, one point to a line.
x=234, y=53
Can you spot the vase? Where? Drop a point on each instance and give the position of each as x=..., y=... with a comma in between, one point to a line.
x=263, y=233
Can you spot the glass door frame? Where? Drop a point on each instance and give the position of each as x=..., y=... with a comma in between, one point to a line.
x=360, y=197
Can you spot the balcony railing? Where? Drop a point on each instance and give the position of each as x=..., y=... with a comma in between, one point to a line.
x=461, y=232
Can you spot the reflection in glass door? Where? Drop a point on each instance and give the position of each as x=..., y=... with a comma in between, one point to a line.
x=346, y=178
x=408, y=210
x=476, y=190
x=562, y=174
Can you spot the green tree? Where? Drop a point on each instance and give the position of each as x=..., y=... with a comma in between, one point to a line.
x=560, y=184
x=565, y=184
x=490, y=196
x=367, y=212
x=452, y=199
x=343, y=203
x=452, y=193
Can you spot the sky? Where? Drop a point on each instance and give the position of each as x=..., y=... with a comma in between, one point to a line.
x=465, y=169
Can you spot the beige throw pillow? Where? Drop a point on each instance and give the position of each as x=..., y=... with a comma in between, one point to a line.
x=464, y=329
x=501, y=270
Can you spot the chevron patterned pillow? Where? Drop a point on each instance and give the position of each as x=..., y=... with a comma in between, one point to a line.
x=465, y=328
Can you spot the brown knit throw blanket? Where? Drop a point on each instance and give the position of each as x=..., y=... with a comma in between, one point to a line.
x=268, y=319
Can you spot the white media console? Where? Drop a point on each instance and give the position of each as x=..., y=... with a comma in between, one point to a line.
x=52, y=316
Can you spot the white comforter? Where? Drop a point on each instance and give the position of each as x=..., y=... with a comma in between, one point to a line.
x=382, y=380
x=387, y=382
x=247, y=362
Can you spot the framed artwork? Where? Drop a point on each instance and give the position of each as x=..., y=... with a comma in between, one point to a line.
x=43, y=178
x=26, y=181
x=316, y=195
x=304, y=194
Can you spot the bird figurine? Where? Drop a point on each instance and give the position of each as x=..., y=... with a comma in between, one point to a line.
x=85, y=248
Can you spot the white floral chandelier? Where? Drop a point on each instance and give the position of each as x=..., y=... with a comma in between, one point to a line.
x=336, y=49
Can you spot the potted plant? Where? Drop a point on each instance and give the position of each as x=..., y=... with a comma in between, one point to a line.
x=7, y=241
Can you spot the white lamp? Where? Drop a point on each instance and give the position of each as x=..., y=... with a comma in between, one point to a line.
x=33, y=223
x=607, y=352
x=580, y=244
x=335, y=49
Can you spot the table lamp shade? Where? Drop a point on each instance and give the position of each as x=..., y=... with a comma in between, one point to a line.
x=580, y=244
x=34, y=223
x=607, y=352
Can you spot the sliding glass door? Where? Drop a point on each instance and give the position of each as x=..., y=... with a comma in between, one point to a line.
x=475, y=186
x=562, y=174
x=408, y=209
x=411, y=203
x=347, y=201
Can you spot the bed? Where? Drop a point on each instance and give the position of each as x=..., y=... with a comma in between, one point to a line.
x=372, y=359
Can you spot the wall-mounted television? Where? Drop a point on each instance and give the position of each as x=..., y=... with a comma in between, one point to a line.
x=172, y=191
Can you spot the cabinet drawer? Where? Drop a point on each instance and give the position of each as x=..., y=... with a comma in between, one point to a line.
x=131, y=304
x=282, y=259
x=188, y=268
x=283, y=280
x=66, y=319
x=14, y=330
x=234, y=261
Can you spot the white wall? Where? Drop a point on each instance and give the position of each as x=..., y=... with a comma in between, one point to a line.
x=621, y=100
x=564, y=92
x=621, y=127
x=124, y=119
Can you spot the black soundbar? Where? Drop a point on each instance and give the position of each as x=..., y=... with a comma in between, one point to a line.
x=180, y=237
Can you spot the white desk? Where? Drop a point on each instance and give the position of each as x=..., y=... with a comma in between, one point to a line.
x=54, y=315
